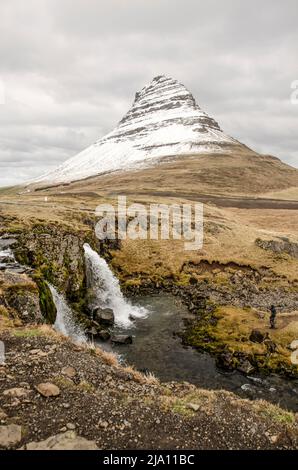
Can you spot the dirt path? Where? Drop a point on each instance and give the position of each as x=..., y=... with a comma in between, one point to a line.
x=224, y=201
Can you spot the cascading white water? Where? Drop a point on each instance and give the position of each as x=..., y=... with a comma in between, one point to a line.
x=65, y=322
x=106, y=291
x=6, y=254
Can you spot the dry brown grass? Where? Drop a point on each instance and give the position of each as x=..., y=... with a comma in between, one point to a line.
x=144, y=379
x=238, y=171
x=37, y=330
x=5, y=319
x=286, y=194
x=232, y=240
x=273, y=222
x=229, y=234
x=3, y=311
x=111, y=359
x=108, y=358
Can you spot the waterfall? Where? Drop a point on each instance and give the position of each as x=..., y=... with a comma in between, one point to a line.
x=65, y=322
x=105, y=290
x=6, y=256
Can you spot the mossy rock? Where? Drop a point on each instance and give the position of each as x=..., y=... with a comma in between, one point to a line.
x=46, y=302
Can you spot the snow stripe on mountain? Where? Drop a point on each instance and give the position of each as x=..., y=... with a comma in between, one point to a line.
x=163, y=121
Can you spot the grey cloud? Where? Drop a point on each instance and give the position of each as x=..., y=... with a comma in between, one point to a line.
x=71, y=70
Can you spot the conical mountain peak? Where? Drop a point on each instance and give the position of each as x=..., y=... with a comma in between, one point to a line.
x=164, y=120
x=166, y=88
x=166, y=101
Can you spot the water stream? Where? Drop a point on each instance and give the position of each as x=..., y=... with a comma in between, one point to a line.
x=158, y=350
x=152, y=321
x=7, y=259
x=65, y=322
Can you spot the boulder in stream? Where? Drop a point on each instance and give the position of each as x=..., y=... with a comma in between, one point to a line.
x=225, y=361
x=121, y=339
x=93, y=331
x=97, y=332
x=104, y=335
x=104, y=316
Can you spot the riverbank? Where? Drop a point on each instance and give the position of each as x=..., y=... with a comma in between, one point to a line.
x=157, y=347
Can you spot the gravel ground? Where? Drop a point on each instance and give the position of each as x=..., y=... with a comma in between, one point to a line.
x=92, y=397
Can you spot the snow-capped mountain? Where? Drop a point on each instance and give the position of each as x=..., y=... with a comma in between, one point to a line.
x=164, y=120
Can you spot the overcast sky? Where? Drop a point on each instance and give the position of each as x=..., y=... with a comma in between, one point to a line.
x=70, y=70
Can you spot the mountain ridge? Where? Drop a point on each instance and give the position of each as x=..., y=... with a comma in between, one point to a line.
x=164, y=121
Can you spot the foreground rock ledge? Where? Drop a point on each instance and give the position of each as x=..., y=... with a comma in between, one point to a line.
x=106, y=406
x=10, y=436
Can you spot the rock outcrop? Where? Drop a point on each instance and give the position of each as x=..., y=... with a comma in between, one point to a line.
x=19, y=297
x=10, y=435
x=279, y=246
x=64, y=441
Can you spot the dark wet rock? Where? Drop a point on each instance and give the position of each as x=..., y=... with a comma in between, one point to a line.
x=96, y=331
x=104, y=316
x=58, y=251
x=246, y=367
x=121, y=339
x=5, y=259
x=257, y=336
x=104, y=335
x=46, y=301
x=225, y=361
x=92, y=331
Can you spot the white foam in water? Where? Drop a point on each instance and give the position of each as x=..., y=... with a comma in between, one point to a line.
x=7, y=253
x=65, y=322
x=106, y=290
